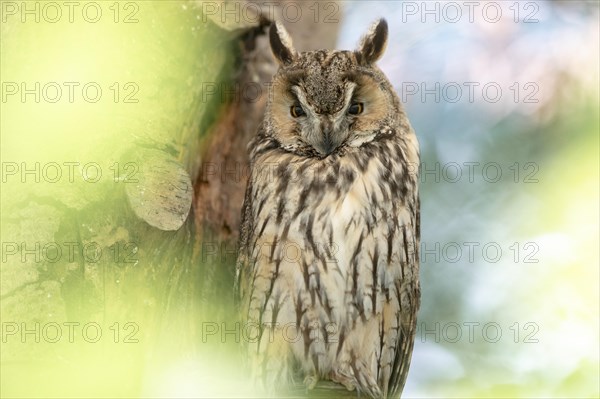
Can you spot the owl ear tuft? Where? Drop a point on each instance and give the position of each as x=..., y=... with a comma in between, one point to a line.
x=281, y=44
x=372, y=45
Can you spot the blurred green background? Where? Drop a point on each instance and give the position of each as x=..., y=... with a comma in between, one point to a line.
x=509, y=188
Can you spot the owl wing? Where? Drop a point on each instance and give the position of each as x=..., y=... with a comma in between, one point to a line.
x=404, y=347
x=242, y=263
x=408, y=317
x=256, y=146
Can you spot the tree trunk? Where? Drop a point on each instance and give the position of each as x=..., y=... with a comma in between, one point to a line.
x=145, y=255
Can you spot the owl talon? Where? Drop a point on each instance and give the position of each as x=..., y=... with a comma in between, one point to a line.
x=310, y=381
x=347, y=381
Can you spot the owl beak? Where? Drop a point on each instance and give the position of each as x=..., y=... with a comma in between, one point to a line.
x=327, y=146
x=329, y=141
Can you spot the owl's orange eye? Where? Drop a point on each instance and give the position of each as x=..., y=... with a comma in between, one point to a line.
x=297, y=111
x=356, y=108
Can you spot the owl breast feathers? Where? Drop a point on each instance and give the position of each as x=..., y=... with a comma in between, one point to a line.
x=327, y=272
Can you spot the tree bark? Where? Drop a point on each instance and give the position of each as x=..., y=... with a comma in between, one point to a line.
x=166, y=223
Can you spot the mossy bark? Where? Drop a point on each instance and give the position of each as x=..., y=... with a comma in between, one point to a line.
x=147, y=252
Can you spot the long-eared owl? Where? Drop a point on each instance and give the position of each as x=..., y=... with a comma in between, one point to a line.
x=328, y=264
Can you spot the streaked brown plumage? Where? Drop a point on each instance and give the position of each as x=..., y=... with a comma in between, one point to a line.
x=327, y=271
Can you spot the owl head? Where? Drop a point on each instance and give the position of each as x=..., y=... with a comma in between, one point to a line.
x=322, y=102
